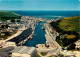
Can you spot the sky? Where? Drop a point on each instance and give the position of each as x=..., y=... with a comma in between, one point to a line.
x=39, y=4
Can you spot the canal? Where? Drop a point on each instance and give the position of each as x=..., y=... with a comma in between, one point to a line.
x=39, y=38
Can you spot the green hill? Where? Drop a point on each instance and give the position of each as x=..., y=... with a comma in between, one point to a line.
x=68, y=28
x=6, y=15
x=70, y=24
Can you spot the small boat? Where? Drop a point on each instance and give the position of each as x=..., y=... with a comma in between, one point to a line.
x=43, y=28
x=30, y=38
x=34, y=34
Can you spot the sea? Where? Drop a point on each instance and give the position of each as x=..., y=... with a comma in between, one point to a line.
x=49, y=14
x=40, y=34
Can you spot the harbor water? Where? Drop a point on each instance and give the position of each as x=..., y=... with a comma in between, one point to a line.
x=39, y=38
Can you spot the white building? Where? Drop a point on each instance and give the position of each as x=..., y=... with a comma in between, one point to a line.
x=9, y=21
x=23, y=51
x=10, y=43
x=77, y=44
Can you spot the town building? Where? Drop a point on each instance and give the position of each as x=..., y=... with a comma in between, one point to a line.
x=77, y=44
x=23, y=51
x=9, y=21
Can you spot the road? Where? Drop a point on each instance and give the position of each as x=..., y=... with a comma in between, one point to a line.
x=58, y=48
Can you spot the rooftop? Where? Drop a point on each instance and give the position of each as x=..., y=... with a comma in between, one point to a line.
x=24, y=50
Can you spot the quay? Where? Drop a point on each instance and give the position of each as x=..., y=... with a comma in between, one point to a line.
x=20, y=39
x=51, y=46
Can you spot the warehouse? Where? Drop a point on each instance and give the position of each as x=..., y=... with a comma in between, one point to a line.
x=23, y=51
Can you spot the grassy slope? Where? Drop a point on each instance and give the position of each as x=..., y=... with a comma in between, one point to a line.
x=70, y=26
x=5, y=15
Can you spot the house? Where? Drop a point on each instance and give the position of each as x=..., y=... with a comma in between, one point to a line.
x=9, y=21
x=77, y=44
